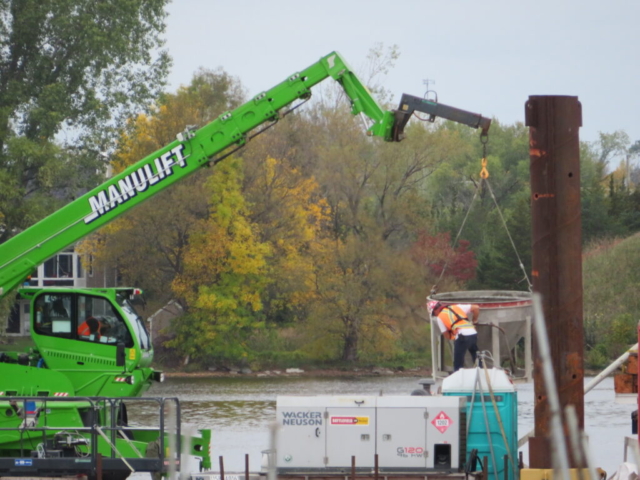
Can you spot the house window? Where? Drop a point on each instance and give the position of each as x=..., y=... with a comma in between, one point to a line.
x=60, y=266
x=80, y=270
x=58, y=270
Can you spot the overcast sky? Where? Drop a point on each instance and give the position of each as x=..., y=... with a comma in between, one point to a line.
x=484, y=56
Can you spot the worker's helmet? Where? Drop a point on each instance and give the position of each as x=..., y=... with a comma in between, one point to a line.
x=433, y=305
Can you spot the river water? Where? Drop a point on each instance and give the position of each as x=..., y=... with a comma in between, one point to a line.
x=240, y=410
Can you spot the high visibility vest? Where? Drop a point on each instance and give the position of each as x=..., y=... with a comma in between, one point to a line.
x=452, y=322
x=84, y=330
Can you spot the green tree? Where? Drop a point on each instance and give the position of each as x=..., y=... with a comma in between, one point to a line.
x=353, y=313
x=71, y=69
x=500, y=267
x=611, y=146
x=608, y=206
x=595, y=219
x=465, y=206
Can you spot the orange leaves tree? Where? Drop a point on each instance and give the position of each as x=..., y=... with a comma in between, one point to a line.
x=438, y=258
x=292, y=214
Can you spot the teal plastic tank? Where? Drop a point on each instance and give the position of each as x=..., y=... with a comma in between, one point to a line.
x=463, y=383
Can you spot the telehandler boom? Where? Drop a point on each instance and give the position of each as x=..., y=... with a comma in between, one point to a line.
x=90, y=343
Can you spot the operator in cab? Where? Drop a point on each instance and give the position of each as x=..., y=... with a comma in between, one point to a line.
x=90, y=329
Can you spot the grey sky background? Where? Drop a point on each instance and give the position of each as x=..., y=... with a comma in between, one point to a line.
x=485, y=56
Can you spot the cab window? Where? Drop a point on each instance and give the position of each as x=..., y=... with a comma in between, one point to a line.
x=53, y=315
x=81, y=317
x=99, y=322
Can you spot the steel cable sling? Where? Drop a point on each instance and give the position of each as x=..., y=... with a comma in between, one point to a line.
x=484, y=177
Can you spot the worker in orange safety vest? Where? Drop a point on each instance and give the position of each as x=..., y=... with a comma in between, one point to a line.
x=90, y=328
x=455, y=325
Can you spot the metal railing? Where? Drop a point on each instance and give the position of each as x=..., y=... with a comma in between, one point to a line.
x=46, y=440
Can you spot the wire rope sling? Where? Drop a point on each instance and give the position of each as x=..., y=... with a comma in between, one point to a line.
x=484, y=180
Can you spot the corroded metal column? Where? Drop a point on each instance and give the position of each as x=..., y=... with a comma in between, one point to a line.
x=554, y=151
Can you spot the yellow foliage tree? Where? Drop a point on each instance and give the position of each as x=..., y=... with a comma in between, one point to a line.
x=149, y=243
x=225, y=272
x=291, y=214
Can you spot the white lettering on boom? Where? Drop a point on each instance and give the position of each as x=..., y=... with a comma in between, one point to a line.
x=137, y=181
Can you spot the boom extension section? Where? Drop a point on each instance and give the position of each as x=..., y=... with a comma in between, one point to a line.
x=20, y=255
x=410, y=104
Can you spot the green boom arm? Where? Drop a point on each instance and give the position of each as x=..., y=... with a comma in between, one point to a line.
x=20, y=255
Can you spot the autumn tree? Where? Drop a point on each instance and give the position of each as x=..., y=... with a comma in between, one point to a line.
x=442, y=263
x=397, y=186
x=376, y=199
x=352, y=314
x=149, y=243
x=224, y=274
x=290, y=213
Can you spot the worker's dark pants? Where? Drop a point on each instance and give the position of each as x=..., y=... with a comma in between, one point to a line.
x=460, y=347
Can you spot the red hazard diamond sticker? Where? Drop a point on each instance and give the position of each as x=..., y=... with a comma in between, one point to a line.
x=442, y=422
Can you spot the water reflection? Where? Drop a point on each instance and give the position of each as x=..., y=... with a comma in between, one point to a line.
x=250, y=402
x=239, y=411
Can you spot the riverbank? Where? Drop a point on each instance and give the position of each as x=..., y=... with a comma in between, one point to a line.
x=301, y=372
x=321, y=373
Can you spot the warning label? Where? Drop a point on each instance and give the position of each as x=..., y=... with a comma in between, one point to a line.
x=442, y=422
x=350, y=421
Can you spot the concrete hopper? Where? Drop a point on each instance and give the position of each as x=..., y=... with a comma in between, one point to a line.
x=505, y=319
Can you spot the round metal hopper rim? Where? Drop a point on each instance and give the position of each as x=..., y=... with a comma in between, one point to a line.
x=485, y=298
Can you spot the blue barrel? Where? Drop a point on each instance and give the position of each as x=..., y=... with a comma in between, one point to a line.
x=463, y=383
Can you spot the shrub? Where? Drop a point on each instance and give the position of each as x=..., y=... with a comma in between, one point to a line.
x=596, y=358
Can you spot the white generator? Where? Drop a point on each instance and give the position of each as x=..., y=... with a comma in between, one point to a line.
x=408, y=433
